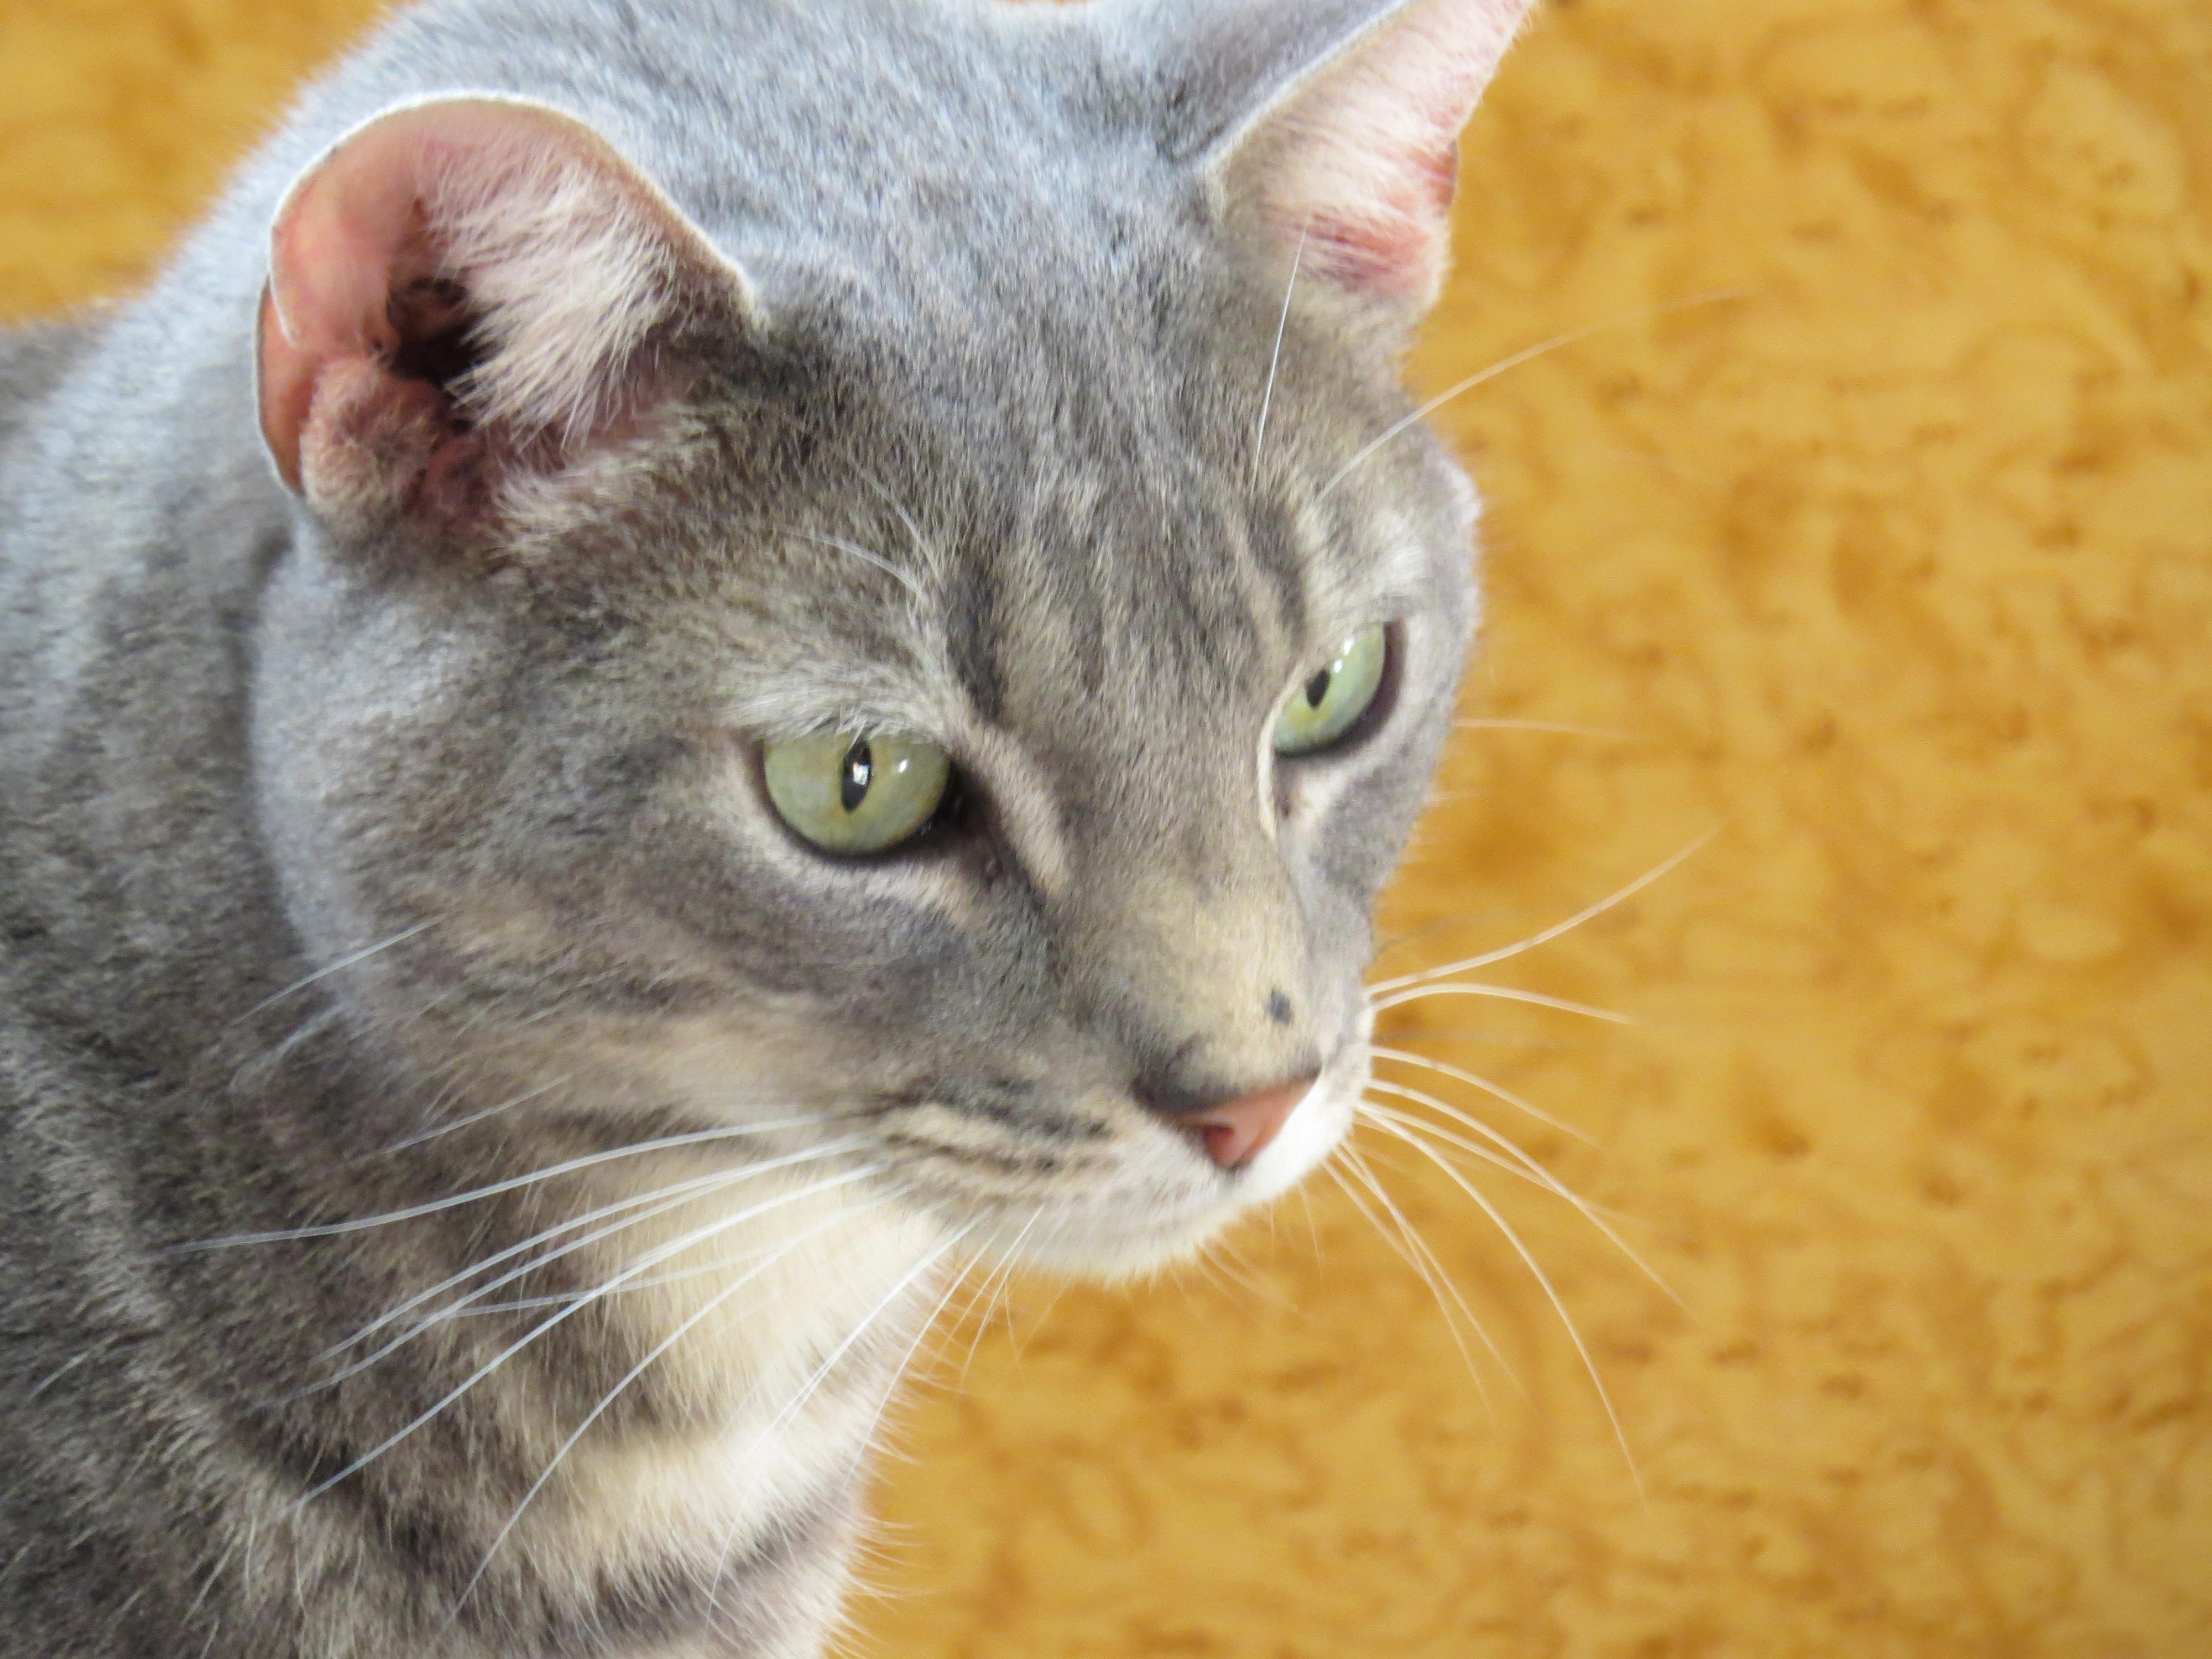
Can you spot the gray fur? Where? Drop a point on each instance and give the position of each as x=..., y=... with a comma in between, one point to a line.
x=1008, y=338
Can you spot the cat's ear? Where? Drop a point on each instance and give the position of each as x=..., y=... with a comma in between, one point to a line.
x=1333, y=124
x=469, y=290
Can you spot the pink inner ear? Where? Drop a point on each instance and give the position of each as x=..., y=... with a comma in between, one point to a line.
x=1362, y=163
x=340, y=240
x=1394, y=246
x=486, y=271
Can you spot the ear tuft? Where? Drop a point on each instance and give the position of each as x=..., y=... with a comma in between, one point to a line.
x=461, y=284
x=1357, y=160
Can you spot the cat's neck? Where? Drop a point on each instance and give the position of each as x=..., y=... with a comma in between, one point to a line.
x=660, y=1370
x=138, y=518
x=754, y=1370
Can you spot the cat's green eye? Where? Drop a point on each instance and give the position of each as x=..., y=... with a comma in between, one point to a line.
x=856, y=793
x=1329, y=702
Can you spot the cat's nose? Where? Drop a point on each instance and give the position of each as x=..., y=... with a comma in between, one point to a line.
x=1234, y=1132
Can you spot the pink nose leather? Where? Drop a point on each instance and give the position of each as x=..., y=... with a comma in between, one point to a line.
x=1237, y=1130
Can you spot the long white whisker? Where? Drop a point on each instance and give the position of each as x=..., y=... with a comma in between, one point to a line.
x=648, y=1205
x=929, y=1327
x=1275, y=362
x=1522, y=1162
x=207, y=1585
x=814, y=1379
x=865, y=555
x=313, y=1025
x=447, y=1128
x=1572, y=336
x=1217, y=1278
x=1370, y=1111
x=342, y=963
x=720, y=1264
x=1503, y=993
x=1475, y=1079
x=513, y=1183
x=923, y=546
x=1423, y=1260
x=652, y=1259
x=1430, y=975
x=1020, y=1342
x=1000, y=1278
x=1533, y=1170
x=1458, y=389
x=906, y=1359
x=1313, y=1225
x=639, y=1370
x=1253, y=1279
x=664, y=1198
x=54, y=1376
x=1543, y=1279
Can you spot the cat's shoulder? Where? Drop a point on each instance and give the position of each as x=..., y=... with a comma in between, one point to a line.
x=33, y=361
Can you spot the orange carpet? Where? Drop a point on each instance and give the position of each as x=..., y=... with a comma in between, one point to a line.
x=1894, y=567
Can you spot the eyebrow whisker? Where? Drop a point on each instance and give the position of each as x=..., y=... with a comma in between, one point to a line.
x=867, y=555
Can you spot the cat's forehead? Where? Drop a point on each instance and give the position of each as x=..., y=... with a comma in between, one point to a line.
x=1084, y=452
x=929, y=155
x=1053, y=514
x=1038, y=436
x=1082, y=603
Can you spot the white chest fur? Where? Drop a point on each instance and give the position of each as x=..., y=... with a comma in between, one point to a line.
x=771, y=1320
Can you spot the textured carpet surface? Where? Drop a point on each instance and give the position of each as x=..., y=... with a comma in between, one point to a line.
x=1894, y=567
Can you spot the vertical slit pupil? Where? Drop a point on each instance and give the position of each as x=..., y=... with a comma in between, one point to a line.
x=1317, y=688
x=855, y=775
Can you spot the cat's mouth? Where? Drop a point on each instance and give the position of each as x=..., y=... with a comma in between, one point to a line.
x=1110, y=1191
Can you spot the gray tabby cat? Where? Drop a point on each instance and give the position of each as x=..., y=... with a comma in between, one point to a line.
x=702, y=657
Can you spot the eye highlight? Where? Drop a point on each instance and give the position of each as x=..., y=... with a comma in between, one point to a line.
x=856, y=793
x=1329, y=702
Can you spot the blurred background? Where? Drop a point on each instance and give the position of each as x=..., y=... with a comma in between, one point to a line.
x=1868, y=528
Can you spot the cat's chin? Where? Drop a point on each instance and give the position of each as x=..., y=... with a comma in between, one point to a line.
x=1089, y=1241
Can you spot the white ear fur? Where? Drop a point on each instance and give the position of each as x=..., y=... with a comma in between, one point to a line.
x=502, y=221
x=1356, y=161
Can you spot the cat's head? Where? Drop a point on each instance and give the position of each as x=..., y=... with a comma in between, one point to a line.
x=934, y=657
